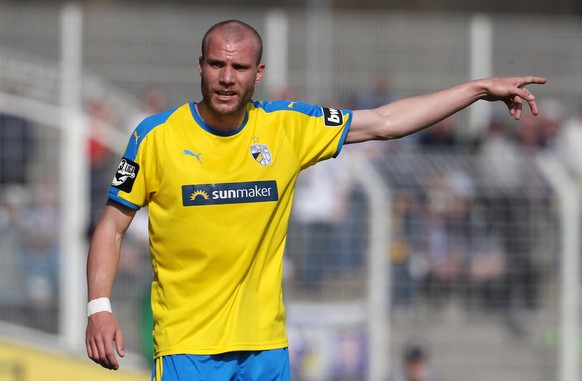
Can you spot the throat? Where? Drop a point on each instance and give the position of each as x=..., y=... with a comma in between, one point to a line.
x=222, y=122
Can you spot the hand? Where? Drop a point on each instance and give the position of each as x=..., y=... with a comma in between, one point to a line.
x=512, y=92
x=102, y=331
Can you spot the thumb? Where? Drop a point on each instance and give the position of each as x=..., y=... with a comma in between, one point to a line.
x=119, y=344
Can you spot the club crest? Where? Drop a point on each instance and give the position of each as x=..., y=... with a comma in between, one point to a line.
x=261, y=154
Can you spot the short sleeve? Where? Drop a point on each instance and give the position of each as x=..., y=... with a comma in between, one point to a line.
x=317, y=133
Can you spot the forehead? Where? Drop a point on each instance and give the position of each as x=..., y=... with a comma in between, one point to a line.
x=232, y=43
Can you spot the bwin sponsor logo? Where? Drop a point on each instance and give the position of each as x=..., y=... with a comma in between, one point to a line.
x=332, y=117
x=230, y=193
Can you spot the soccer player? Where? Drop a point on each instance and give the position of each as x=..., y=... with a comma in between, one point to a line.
x=218, y=179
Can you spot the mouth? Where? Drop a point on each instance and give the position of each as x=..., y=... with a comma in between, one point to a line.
x=225, y=95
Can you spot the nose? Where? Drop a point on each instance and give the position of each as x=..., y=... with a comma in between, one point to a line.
x=227, y=75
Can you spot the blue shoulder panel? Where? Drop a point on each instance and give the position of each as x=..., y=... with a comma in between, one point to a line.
x=144, y=128
x=306, y=109
x=284, y=105
x=140, y=132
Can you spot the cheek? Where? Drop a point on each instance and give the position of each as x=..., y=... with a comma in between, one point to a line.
x=251, y=80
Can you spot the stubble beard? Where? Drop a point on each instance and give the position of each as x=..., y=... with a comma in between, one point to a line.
x=218, y=110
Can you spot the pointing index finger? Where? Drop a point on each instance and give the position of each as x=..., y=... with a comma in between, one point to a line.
x=533, y=80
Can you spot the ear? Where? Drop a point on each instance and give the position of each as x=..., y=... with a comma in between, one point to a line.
x=200, y=62
x=260, y=73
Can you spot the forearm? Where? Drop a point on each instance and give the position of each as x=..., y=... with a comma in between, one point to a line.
x=104, y=252
x=409, y=115
x=103, y=261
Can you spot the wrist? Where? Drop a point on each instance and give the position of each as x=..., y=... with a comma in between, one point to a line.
x=480, y=88
x=98, y=305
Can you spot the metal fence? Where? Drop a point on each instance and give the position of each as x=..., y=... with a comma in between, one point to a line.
x=477, y=234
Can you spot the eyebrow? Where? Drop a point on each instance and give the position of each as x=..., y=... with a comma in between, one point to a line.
x=236, y=64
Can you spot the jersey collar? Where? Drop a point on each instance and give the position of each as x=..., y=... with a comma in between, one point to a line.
x=211, y=130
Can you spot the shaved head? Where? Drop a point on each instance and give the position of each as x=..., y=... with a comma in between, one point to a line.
x=229, y=68
x=235, y=31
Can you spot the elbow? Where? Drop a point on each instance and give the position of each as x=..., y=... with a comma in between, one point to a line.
x=388, y=131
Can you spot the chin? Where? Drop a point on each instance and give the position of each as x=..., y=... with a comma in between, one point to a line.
x=226, y=109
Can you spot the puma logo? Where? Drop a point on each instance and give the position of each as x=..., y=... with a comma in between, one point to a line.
x=197, y=156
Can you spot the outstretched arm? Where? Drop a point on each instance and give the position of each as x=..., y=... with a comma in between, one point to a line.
x=102, y=327
x=410, y=115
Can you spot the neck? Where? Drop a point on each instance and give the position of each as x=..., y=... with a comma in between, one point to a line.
x=220, y=122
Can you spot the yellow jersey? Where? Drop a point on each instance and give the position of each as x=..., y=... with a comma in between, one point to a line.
x=219, y=205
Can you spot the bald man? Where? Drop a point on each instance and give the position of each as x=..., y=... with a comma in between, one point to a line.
x=218, y=178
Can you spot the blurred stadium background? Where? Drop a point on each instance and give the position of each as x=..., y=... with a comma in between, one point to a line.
x=463, y=239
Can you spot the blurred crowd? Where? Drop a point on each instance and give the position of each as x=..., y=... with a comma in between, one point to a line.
x=472, y=220
x=471, y=217
x=29, y=230
x=30, y=209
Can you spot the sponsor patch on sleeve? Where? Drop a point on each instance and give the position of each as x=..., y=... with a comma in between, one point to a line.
x=332, y=117
x=125, y=175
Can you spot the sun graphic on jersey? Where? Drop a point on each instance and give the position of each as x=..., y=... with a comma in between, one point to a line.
x=200, y=193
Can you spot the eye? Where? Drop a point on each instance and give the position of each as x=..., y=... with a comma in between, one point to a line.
x=215, y=64
x=240, y=67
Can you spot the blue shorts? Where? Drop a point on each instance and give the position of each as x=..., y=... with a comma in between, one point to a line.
x=271, y=365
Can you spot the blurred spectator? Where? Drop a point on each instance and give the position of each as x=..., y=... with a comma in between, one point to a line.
x=12, y=218
x=532, y=141
x=404, y=278
x=569, y=144
x=283, y=91
x=350, y=357
x=439, y=137
x=481, y=261
x=29, y=235
x=378, y=94
x=16, y=149
x=512, y=184
x=41, y=255
x=485, y=273
x=550, y=121
x=438, y=243
x=320, y=209
x=153, y=101
x=499, y=166
x=414, y=366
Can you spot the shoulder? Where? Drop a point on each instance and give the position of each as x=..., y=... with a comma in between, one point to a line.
x=287, y=106
x=155, y=120
x=146, y=128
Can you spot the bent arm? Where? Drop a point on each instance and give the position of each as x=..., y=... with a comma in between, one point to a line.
x=410, y=115
x=102, y=327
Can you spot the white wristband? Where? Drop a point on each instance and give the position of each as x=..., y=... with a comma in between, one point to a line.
x=98, y=305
